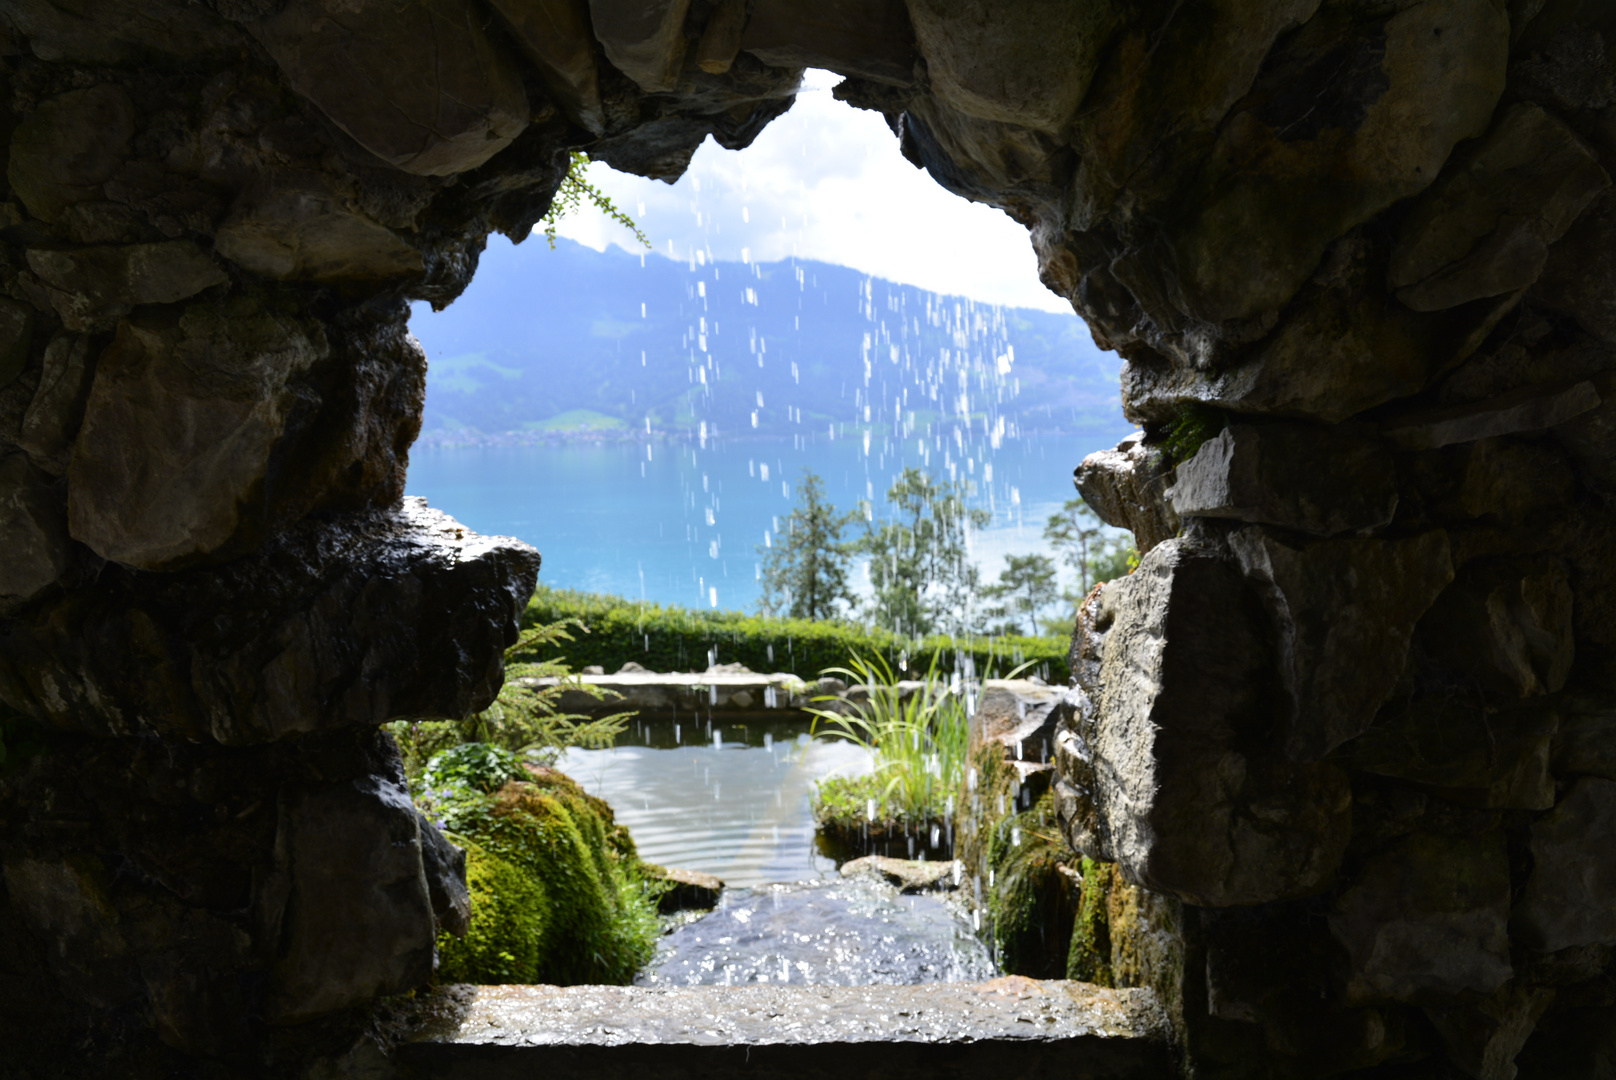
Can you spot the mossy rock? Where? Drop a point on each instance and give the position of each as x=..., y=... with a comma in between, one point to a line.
x=1032, y=903
x=557, y=891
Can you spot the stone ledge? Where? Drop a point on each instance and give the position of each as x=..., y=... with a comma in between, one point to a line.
x=1014, y=1026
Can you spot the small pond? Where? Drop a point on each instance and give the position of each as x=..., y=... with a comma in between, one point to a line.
x=730, y=800
x=734, y=800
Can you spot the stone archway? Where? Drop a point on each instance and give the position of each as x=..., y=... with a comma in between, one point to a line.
x=1345, y=729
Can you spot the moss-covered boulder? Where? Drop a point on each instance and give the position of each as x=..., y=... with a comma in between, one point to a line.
x=558, y=892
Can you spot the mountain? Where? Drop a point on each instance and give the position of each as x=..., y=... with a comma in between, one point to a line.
x=573, y=340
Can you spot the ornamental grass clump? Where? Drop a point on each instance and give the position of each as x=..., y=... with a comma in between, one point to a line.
x=918, y=734
x=558, y=892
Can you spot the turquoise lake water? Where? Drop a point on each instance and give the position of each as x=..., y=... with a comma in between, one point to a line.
x=680, y=522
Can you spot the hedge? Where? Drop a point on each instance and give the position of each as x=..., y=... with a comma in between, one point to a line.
x=683, y=639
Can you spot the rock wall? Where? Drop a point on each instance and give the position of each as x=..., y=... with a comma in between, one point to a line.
x=1345, y=728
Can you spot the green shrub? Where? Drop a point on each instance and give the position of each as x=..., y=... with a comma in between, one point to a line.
x=558, y=892
x=681, y=639
x=919, y=743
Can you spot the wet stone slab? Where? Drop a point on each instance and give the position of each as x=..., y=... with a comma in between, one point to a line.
x=1010, y=1027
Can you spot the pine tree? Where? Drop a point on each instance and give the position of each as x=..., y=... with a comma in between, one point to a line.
x=804, y=569
x=1026, y=586
x=920, y=569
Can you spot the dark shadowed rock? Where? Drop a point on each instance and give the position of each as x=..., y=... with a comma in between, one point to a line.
x=444, y=865
x=1530, y=408
x=122, y=31
x=200, y=419
x=870, y=39
x=1585, y=742
x=295, y=228
x=1025, y=64
x=1486, y=225
x=92, y=288
x=65, y=149
x=1454, y=743
x=1482, y=1038
x=556, y=36
x=1183, y=804
x=57, y=408
x=1426, y=920
x=1504, y=628
x=1343, y=612
x=420, y=84
x=644, y=39
x=1567, y=899
x=1320, y=480
x=348, y=904
x=16, y=335
x=1127, y=487
x=33, y=532
x=357, y=620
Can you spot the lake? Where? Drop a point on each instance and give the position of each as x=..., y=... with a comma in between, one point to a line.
x=680, y=522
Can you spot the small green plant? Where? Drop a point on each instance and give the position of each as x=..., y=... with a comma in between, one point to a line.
x=1192, y=427
x=919, y=740
x=526, y=718
x=574, y=191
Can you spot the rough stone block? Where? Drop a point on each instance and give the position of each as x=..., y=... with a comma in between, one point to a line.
x=68, y=146
x=16, y=336
x=1567, y=900
x=1422, y=81
x=347, y=621
x=1482, y=1038
x=1579, y=277
x=720, y=39
x=1183, y=804
x=869, y=39
x=1505, y=628
x=555, y=35
x=1426, y=920
x=33, y=532
x=644, y=39
x=1484, y=228
x=1316, y=480
x=347, y=905
x=208, y=427
x=1449, y=742
x=57, y=409
x=1531, y=408
x=444, y=865
x=688, y=890
x=118, y=32
x=1127, y=487
x=1585, y=742
x=1343, y=612
x=420, y=84
x=92, y=288
x=295, y=228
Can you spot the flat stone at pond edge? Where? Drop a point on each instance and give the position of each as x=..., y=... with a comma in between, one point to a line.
x=1013, y=1026
x=689, y=890
x=908, y=875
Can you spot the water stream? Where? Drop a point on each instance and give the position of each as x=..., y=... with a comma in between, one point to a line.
x=735, y=801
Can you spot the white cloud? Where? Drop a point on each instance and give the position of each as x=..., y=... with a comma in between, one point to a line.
x=826, y=181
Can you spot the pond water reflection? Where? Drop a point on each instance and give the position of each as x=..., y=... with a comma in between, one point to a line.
x=730, y=800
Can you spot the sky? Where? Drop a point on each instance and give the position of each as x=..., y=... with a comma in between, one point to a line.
x=825, y=181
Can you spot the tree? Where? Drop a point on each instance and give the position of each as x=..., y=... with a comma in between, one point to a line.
x=1026, y=586
x=1078, y=533
x=919, y=566
x=805, y=568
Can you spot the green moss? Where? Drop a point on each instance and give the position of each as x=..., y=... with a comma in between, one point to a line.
x=1031, y=897
x=559, y=895
x=1192, y=427
x=506, y=942
x=1088, y=959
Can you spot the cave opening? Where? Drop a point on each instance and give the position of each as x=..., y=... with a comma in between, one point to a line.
x=1339, y=748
